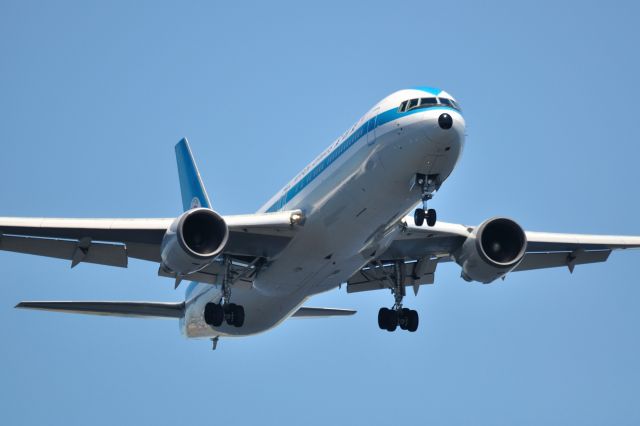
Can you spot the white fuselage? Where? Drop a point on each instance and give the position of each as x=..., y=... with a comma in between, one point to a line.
x=352, y=196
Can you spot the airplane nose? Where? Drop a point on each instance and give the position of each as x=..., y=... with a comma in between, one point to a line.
x=445, y=121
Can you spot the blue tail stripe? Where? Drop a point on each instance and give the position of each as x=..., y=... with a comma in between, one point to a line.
x=191, y=186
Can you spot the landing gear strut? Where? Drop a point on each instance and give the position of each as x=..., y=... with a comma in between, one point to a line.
x=217, y=313
x=428, y=185
x=390, y=319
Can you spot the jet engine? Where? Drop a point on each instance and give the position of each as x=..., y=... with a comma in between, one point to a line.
x=494, y=248
x=193, y=240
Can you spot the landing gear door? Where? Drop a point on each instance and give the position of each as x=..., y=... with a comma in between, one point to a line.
x=371, y=127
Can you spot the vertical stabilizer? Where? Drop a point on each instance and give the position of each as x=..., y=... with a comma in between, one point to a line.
x=191, y=186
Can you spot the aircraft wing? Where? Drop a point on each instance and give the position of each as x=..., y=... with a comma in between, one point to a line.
x=421, y=249
x=113, y=241
x=253, y=238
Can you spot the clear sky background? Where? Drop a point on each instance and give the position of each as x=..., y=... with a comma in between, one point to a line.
x=94, y=96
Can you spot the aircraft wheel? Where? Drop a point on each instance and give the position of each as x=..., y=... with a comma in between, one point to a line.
x=238, y=316
x=382, y=318
x=403, y=318
x=230, y=313
x=392, y=320
x=213, y=314
x=418, y=217
x=412, y=321
x=431, y=217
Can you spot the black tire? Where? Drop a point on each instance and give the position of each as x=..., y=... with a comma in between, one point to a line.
x=418, y=217
x=392, y=320
x=403, y=318
x=213, y=314
x=238, y=316
x=230, y=313
x=413, y=321
x=432, y=217
x=382, y=318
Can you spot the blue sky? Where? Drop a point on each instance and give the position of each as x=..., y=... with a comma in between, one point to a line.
x=93, y=96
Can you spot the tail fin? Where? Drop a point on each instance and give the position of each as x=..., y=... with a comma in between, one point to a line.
x=193, y=192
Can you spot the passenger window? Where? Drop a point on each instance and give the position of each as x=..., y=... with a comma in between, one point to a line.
x=413, y=103
x=403, y=106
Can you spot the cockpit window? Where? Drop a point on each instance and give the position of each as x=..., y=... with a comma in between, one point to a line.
x=420, y=103
x=428, y=101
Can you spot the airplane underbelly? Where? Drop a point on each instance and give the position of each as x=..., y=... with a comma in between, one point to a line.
x=263, y=312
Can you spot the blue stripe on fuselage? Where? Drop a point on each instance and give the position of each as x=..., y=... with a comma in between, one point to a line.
x=434, y=91
x=367, y=127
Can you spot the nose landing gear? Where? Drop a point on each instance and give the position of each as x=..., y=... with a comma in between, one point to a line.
x=420, y=215
x=428, y=185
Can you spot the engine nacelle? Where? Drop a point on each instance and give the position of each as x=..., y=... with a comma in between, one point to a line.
x=193, y=240
x=494, y=248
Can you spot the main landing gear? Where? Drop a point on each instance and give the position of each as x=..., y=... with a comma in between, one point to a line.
x=217, y=313
x=428, y=185
x=390, y=319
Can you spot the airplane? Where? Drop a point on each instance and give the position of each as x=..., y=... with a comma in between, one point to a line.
x=344, y=219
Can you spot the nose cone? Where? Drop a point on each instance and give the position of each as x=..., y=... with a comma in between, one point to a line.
x=445, y=121
x=446, y=129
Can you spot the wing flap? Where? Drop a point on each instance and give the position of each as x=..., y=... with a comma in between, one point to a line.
x=383, y=276
x=558, y=259
x=120, y=309
x=75, y=251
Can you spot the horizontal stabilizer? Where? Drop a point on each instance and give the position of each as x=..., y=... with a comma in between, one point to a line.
x=322, y=312
x=118, y=309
